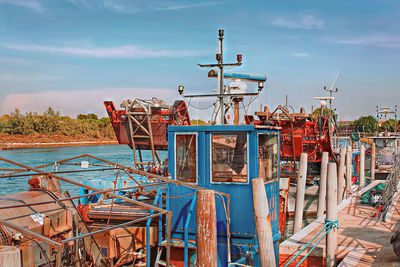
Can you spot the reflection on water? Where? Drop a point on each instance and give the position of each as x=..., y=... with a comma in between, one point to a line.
x=32, y=157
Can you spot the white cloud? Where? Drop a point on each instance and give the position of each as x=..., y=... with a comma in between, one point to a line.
x=305, y=22
x=129, y=51
x=75, y=102
x=34, y=5
x=184, y=6
x=376, y=39
x=128, y=6
x=300, y=54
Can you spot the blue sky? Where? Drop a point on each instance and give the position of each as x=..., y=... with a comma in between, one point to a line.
x=73, y=54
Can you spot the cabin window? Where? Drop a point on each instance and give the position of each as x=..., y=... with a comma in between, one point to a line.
x=186, y=158
x=229, y=157
x=268, y=157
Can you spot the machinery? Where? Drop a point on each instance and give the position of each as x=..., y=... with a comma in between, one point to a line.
x=143, y=125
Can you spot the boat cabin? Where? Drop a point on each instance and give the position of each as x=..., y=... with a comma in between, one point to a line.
x=223, y=158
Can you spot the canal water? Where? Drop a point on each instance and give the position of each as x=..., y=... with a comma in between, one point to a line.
x=33, y=157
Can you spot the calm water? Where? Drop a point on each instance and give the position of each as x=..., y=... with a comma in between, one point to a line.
x=32, y=157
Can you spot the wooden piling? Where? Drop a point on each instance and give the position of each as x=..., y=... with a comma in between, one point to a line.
x=301, y=188
x=322, y=184
x=206, y=226
x=362, y=166
x=373, y=157
x=263, y=223
x=340, y=182
x=349, y=157
x=331, y=214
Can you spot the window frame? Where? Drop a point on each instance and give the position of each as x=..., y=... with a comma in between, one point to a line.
x=247, y=157
x=197, y=156
x=274, y=180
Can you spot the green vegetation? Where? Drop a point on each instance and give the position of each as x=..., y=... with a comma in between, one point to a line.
x=52, y=123
x=365, y=124
x=325, y=112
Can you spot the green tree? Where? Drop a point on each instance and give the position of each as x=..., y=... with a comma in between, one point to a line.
x=325, y=112
x=365, y=124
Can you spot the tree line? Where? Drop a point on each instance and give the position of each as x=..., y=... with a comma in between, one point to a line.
x=52, y=123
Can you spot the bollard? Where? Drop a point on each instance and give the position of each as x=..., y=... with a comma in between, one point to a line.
x=340, y=182
x=373, y=156
x=263, y=223
x=322, y=184
x=206, y=226
x=362, y=166
x=301, y=188
x=349, y=156
x=331, y=214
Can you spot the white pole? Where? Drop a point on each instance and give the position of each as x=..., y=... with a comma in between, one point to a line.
x=322, y=184
x=263, y=223
x=349, y=156
x=362, y=166
x=340, y=181
x=301, y=188
x=373, y=156
x=331, y=214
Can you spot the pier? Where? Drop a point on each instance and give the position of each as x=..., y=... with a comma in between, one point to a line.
x=362, y=239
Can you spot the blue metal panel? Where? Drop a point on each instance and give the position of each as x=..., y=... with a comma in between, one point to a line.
x=243, y=76
x=241, y=206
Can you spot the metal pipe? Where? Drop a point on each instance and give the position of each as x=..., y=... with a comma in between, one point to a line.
x=30, y=174
x=373, y=159
x=86, y=186
x=221, y=77
x=169, y=214
x=30, y=233
x=114, y=227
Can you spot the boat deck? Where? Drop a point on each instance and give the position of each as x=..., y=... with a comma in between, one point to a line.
x=362, y=239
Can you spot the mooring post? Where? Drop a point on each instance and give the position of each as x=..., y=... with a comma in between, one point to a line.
x=263, y=223
x=349, y=157
x=322, y=184
x=373, y=156
x=206, y=226
x=340, y=182
x=331, y=214
x=301, y=188
x=362, y=166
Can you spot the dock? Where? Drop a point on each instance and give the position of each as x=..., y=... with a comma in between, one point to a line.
x=362, y=240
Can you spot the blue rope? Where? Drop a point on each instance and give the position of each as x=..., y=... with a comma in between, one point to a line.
x=329, y=225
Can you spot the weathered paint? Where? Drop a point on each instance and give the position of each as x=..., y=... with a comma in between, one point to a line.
x=242, y=227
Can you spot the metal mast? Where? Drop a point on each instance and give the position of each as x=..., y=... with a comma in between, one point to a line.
x=220, y=59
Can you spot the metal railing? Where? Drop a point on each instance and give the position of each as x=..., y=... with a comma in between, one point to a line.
x=390, y=188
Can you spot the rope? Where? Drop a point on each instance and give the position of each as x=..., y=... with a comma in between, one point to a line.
x=329, y=225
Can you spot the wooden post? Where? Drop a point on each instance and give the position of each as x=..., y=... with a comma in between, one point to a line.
x=263, y=223
x=301, y=188
x=349, y=157
x=236, y=111
x=362, y=166
x=322, y=184
x=340, y=182
x=331, y=214
x=373, y=156
x=206, y=226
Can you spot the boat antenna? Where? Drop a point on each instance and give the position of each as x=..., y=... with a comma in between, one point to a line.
x=220, y=107
x=331, y=90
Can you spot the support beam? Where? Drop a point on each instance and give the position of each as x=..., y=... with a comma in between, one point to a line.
x=349, y=157
x=373, y=159
x=263, y=224
x=301, y=187
x=331, y=215
x=322, y=184
x=362, y=166
x=206, y=226
x=340, y=182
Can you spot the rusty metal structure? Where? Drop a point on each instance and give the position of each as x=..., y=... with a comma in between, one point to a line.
x=49, y=230
x=300, y=133
x=143, y=125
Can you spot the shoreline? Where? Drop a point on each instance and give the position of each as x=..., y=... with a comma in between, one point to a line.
x=12, y=146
